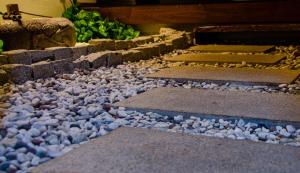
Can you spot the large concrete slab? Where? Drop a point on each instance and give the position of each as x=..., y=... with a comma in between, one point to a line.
x=132, y=150
x=249, y=105
x=219, y=74
x=233, y=48
x=228, y=58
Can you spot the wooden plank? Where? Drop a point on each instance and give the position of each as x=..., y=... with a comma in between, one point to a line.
x=249, y=27
x=227, y=58
x=210, y=13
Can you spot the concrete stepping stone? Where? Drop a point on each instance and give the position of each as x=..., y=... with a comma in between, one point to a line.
x=227, y=58
x=213, y=103
x=221, y=75
x=233, y=48
x=133, y=150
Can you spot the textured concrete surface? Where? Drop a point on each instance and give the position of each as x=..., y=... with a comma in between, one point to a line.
x=238, y=75
x=233, y=48
x=228, y=58
x=266, y=106
x=132, y=150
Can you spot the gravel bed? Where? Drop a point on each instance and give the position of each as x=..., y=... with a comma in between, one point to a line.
x=47, y=118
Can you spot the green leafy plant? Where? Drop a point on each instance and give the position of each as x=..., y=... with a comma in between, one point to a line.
x=1, y=46
x=90, y=25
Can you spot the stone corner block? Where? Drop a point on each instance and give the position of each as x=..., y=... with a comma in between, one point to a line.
x=40, y=55
x=79, y=51
x=97, y=45
x=63, y=66
x=4, y=78
x=132, y=55
x=115, y=58
x=60, y=52
x=3, y=59
x=98, y=59
x=81, y=63
x=42, y=69
x=124, y=44
x=143, y=40
x=18, y=73
x=20, y=56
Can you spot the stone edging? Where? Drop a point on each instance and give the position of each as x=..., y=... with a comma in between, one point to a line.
x=23, y=65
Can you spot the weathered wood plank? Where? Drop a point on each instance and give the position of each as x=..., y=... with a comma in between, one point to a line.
x=206, y=13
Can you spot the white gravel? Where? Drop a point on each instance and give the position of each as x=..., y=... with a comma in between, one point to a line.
x=50, y=117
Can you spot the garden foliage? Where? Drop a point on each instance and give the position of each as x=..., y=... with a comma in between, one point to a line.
x=92, y=25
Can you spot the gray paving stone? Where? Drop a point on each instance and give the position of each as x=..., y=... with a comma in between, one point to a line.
x=233, y=48
x=228, y=58
x=237, y=75
x=132, y=150
x=264, y=106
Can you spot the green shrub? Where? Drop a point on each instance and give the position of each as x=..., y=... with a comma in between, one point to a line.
x=90, y=25
x=1, y=46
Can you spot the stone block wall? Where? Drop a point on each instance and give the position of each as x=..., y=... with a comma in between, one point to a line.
x=22, y=65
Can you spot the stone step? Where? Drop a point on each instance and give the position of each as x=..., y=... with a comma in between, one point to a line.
x=233, y=48
x=227, y=58
x=132, y=150
x=222, y=75
x=279, y=108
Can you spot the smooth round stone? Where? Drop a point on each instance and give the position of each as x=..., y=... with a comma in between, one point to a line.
x=4, y=166
x=284, y=133
x=161, y=125
x=178, y=118
x=290, y=128
x=35, y=161
x=113, y=126
x=34, y=132
x=21, y=157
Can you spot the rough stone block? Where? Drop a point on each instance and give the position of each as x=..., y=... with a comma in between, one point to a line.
x=115, y=58
x=190, y=37
x=18, y=73
x=143, y=40
x=168, y=31
x=124, y=44
x=43, y=69
x=98, y=59
x=20, y=56
x=97, y=45
x=132, y=55
x=63, y=66
x=149, y=50
x=3, y=59
x=179, y=42
x=145, y=52
x=162, y=47
x=169, y=47
x=40, y=55
x=60, y=52
x=37, y=33
x=159, y=37
x=81, y=63
x=79, y=51
x=3, y=77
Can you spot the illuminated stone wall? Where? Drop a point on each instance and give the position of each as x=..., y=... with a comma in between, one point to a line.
x=44, y=7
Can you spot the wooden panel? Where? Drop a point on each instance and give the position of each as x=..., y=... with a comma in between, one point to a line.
x=211, y=13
